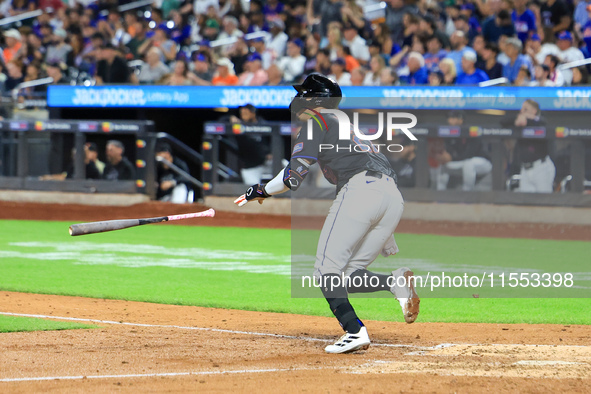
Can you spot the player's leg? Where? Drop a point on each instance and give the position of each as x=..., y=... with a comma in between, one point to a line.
x=179, y=194
x=543, y=177
x=526, y=182
x=400, y=283
x=343, y=228
x=471, y=168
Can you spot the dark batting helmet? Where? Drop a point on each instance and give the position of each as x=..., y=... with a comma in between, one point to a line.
x=316, y=91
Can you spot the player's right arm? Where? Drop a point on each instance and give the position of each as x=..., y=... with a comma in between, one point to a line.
x=304, y=155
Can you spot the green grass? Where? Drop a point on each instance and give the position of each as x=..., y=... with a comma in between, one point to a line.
x=229, y=268
x=17, y=324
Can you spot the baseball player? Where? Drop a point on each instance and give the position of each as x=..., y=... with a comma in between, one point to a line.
x=361, y=220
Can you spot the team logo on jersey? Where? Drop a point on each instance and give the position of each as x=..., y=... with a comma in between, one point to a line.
x=298, y=148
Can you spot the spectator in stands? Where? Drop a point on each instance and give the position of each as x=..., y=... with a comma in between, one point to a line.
x=435, y=52
x=580, y=75
x=357, y=45
x=388, y=77
x=311, y=50
x=376, y=65
x=512, y=50
x=225, y=75
x=581, y=15
x=111, y=67
x=417, y=72
x=470, y=75
x=275, y=76
x=435, y=77
x=358, y=76
x=254, y=75
x=292, y=65
x=556, y=75
x=32, y=74
x=139, y=38
x=478, y=44
x=268, y=56
x=230, y=28
x=448, y=68
x=181, y=32
x=383, y=39
x=537, y=52
x=54, y=70
x=180, y=75
x=153, y=69
x=58, y=51
x=568, y=53
x=459, y=44
x=277, y=40
x=239, y=55
x=160, y=40
x=323, y=62
x=542, y=76
x=489, y=63
x=201, y=72
x=350, y=62
x=524, y=20
x=338, y=72
x=460, y=156
x=524, y=77
x=13, y=47
x=555, y=16
x=395, y=11
x=14, y=73
x=172, y=186
x=118, y=167
x=498, y=25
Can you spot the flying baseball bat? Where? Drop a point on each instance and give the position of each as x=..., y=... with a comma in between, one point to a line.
x=110, y=225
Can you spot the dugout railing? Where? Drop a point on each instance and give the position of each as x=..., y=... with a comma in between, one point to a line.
x=217, y=135
x=31, y=149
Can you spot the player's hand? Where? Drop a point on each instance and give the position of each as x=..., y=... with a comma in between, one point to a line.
x=254, y=193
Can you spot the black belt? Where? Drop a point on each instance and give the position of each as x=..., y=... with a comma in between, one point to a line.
x=373, y=174
x=530, y=164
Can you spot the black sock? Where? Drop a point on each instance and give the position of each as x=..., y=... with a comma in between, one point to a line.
x=364, y=281
x=340, y=306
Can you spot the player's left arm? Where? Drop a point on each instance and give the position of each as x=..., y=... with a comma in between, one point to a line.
x=304, y=154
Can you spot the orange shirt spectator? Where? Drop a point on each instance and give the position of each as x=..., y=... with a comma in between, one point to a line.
x=225, y=73
x=13, y=44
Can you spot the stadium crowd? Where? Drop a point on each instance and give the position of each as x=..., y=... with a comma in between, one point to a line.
x=251, y=43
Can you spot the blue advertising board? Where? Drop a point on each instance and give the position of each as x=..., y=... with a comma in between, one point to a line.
x=397, y=97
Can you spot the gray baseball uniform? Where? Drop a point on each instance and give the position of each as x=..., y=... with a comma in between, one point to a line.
x=368, y=205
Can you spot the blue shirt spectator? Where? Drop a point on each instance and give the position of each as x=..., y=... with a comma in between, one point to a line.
x=498, y=25
x=459, y=43
x=418, y=73
x=471, y=79
x=470, y=75
x=513, y=49
x=524, y=20
x=582, y=12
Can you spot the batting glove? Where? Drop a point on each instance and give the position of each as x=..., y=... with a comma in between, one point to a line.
x=254, y=193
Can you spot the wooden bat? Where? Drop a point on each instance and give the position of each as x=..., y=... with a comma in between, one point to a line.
x=110, y=225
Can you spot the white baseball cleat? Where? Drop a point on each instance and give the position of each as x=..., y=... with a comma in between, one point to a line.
x=404, y=291
x=350, y=342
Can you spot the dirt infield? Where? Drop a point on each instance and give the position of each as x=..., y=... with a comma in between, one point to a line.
x=153, y=347
x=74, y=213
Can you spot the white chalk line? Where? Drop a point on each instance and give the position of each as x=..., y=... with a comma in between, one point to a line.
x=153, y=375
x=253, y=333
